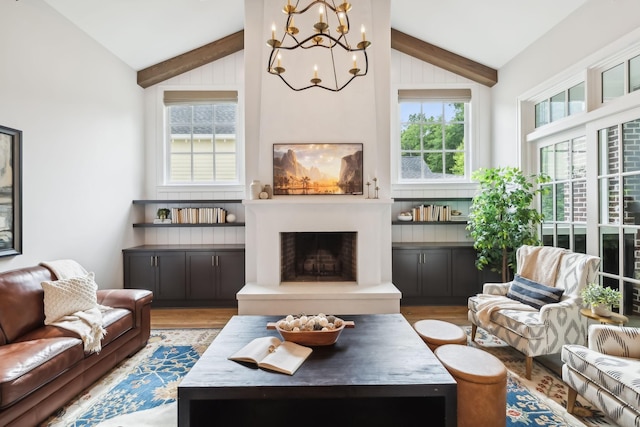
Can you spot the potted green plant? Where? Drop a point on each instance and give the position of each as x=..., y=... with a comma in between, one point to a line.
x=163, y=213
x=601, y=299
x=502, y=216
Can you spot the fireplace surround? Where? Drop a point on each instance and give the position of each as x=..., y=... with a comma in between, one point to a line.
x=370, y=291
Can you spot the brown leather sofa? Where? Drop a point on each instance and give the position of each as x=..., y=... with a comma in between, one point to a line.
x=44, y=367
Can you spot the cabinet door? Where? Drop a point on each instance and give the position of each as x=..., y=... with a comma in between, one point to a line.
x=436, y=265
x=230, y=274
x=201, y=273
x=140, y=271
x=465, y=277
x=405, y=265
x=171, y=275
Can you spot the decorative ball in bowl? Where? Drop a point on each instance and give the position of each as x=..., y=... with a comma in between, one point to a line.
x=405, y=216
x=316, y=330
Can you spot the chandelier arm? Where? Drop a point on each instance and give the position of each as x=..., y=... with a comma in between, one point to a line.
x=301, y=44
x=323, y=2
x=338, y=89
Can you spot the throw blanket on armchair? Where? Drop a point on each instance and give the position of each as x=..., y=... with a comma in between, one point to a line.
x=487, y=304
x=540, y=263
x=70, y=303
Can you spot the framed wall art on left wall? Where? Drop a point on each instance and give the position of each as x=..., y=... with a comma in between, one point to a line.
x=10, y=191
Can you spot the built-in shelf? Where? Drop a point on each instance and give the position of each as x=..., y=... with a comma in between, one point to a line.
x=224, y=224
x=166, y=202
x=428, y=222
x=430, y=200
x=182, y=201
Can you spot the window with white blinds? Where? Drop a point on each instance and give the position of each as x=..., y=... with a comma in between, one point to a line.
x=201, y=137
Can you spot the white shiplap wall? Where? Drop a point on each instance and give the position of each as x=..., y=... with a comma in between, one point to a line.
x=225, y=74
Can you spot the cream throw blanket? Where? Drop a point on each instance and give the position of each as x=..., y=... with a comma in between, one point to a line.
x=487, y=304
x=537, y=263
x=540, y=263
x=88, y=323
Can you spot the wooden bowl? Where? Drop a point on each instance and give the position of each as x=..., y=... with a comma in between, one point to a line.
x=312, y=338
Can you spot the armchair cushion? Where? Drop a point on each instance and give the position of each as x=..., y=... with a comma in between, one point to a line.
x=607, y=380
x=532, y=293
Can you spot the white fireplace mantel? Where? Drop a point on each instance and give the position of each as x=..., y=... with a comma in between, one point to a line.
x=369, y=218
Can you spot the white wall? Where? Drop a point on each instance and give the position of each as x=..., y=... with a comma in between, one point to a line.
x=80, y=111
x=593, y=26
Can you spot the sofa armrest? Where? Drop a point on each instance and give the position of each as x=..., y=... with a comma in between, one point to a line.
x=496, y=288
x=136, y=300
x=615, y=340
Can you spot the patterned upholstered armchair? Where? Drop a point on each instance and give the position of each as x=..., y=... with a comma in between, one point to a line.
x=606, y=373
x=537, y=327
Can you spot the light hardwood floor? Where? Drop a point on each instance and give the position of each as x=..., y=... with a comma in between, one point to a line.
x=168, y=318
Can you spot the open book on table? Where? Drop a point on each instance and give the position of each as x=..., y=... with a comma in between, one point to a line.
x=273, y=354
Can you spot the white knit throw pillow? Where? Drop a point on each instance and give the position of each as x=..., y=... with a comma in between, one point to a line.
x=66, y=296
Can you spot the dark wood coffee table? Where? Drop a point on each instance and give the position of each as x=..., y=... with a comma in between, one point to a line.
x=379, y=373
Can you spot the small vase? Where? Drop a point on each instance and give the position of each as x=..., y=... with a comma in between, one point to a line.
x=601, y=310
x=254, y=190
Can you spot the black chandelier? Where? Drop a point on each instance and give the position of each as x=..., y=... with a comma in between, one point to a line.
x=328, y=35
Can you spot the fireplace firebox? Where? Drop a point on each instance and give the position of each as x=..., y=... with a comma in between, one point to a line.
x=318, y=256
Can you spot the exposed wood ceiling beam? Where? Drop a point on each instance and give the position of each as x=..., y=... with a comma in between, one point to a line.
x=443, y=58
x=399, y=41
x=191, y=60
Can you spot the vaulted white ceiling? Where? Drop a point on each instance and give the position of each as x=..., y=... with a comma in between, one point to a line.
x=145, y=32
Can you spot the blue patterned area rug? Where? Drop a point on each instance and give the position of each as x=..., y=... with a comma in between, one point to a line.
x=146, y=382
x=142, y=390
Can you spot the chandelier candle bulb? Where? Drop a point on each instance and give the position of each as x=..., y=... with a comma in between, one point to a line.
x=315, y=71
x=354, y=62
x=320, y=12
x=273, y=31
x=364, y=39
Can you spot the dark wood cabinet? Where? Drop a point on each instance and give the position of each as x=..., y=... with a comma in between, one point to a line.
x=163, y=273
x=187, y=275
x=215, y=275
x=438, y=275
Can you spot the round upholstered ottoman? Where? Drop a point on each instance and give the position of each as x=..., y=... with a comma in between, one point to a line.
x=436, y=333
x=482, y=385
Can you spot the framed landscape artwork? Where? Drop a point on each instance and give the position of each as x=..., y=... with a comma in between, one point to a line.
x=317, y=169
x=10, y=191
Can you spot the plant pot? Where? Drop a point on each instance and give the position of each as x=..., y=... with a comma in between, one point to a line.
x=601, y=310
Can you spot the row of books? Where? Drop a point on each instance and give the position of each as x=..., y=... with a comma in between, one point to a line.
x=431, y=213
x=198, y=215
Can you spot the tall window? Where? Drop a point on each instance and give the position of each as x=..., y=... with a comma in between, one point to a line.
x=201, y=137
x=619, y=193
x=564, y=206
x=433, y=135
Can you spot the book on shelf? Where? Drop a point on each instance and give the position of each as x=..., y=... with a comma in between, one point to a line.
x=198, y=215
x=431, y=213
x=272, y=354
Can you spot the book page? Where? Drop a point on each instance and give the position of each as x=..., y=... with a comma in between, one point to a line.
x=256, y=350
x=286, y=358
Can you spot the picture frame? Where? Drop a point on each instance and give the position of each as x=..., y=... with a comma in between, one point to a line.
x=10, y=191
x=317, y=169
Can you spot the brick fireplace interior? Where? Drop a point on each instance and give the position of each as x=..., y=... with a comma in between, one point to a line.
x=318, y=256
